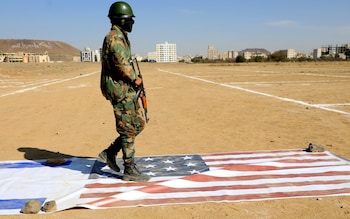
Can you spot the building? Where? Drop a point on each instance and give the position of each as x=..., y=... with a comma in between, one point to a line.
x=333, y=51
x=166, y=52
x=232, y=54
x=89, y=55
x=223, y=56
x=252, y=53
x=213, y=53
x=247, y=55
x=24, y=57
x=228, y=55
x=152, y=56
x=317, y=53
x=290, y=53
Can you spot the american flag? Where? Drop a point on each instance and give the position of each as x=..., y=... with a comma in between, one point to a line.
x=224, y=177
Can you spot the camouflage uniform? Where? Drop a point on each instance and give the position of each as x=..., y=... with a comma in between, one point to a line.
x=117, y=77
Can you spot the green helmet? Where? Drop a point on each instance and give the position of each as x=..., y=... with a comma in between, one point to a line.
x=120, y=10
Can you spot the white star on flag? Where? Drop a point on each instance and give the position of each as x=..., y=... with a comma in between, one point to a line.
x=148, y=159
x=191, y=165
x=187, y=158
x=151, y=174
x=149, y=166
x=170, y=169
x=194, y=171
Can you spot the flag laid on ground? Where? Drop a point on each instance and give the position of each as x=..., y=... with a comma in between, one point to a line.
x=176, y=179
x=241, y=176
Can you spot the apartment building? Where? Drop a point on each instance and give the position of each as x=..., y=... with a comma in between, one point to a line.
x=166, y=52
x=291, y=53
x=213, y=53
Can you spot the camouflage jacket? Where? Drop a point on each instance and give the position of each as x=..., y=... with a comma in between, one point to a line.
x=117, y=74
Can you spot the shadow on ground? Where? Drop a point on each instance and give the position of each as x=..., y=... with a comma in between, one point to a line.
x=95, y=171
x=31, y=153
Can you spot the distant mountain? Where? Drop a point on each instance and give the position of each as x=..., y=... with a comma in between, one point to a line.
x=57, y=51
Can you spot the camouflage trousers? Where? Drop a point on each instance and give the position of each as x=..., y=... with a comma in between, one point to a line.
x=130, y=121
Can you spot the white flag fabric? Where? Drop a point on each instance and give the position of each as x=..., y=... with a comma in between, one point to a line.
x=176, y=179
x=21, y=181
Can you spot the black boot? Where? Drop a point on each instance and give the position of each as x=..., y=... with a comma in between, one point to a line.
x=109, y=155
x=131, y=173
x=109, y=158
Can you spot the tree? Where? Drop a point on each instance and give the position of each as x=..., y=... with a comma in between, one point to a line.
x=278, y=56
x=197, y=59
x=240, y=59
x=257, y=59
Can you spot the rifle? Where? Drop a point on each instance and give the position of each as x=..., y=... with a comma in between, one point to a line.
x=140, y=93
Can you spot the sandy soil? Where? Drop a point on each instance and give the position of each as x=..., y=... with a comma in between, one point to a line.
x=50, y=108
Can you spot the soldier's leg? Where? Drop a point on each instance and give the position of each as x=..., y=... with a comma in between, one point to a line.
x=129, y=125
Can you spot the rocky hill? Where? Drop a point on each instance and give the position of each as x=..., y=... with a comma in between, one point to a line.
x=255, y=51
x=57, y=51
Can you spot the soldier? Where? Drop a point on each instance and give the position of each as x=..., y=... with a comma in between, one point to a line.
x=118, y=83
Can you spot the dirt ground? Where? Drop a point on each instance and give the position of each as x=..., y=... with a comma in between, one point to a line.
x=193, y=108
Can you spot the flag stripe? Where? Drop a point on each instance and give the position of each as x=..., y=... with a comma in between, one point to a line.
x=260, y=167
x=211, y=183
x=162, y=189
x=221, y=196
x=260, y=156
x=138, y=195
x=286, y=177
x=286, y=160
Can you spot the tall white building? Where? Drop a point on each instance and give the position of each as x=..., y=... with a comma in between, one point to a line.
x=213, y=53
x=317, y=53
x=166, y=52
x=291, y=53
x=232, y=54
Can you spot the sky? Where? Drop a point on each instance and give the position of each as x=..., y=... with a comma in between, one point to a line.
x=193, y=25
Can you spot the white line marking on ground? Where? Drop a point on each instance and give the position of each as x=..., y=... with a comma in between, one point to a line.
x=48, y=84
x=289, y=73
x=321, y=75
x=299, y=102
x=283, y=82
x=30, y=83
x=333, y=104
x=78, y=86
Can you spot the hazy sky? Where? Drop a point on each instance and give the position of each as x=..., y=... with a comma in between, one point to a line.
x=192, y=24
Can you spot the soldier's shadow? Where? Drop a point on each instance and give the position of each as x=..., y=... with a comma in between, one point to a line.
x=42, y=156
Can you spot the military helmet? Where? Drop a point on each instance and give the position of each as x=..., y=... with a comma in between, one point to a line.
x=120, y=10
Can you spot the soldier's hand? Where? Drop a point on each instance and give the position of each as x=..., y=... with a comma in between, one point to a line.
x=138, y=82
